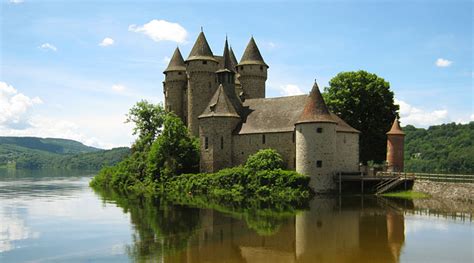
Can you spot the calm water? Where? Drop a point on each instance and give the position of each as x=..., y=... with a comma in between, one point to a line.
x=60, y=219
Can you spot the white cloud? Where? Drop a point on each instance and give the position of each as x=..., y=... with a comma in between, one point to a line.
x=106, y=42
x=442, y=63
x=290, y=90
x=161, y=30
x=118, y=88
x=15, y=107
x=420, y=117
x=47, y=46
x=16, y=1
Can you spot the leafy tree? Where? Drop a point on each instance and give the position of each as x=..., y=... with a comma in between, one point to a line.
x=267, y=159
x=175, y=151
x=365, y=102
x=148, y=119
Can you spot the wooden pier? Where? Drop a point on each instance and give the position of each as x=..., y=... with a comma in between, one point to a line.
x=379, y=184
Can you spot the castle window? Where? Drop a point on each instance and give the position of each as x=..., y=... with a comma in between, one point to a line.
x=293, y=135
x=204, y=62
x=294, y=162
x=222, y=142
x=206, y=143
x=319, y=163
x=241, y=67
x=261, y=68
x=180, y=73
x=263, y=138
x=344, y=138
x=210, y=85
x=319, y=130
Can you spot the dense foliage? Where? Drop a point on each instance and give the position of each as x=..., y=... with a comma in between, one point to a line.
x=38, y=153
x=365, y=102
x=446, y=148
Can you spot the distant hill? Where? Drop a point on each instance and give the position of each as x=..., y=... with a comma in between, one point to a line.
x=37, y=153
x=446, y=148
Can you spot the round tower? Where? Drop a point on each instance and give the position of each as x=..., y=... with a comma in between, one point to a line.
x=253, y=72
x=316, y=142
x=174, y=86
x=216, y=124
x=201, y=67
x=395, y=148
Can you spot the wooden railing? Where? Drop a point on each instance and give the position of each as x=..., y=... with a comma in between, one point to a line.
x=450, y=178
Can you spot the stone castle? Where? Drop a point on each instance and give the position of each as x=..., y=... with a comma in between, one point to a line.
x=223, y=103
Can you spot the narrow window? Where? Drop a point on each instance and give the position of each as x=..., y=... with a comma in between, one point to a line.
x=293, y=137
x=319, y=130
x=210, y=85
x=344, y=138
x=319, y=163
x=241, y=67
x=263, y=138
x=204, y=62
x=261, y=68
x=222, y=142
x=206, y=143
x=294, y=162
x=180, y=73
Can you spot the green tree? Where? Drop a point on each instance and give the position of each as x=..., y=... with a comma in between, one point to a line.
x=267, y=159
x=365, y=102
x=174, y=152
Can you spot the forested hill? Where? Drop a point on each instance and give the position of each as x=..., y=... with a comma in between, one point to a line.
x=446, y=148
x=37, y=153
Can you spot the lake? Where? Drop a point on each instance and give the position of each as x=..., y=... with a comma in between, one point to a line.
x=48, y=216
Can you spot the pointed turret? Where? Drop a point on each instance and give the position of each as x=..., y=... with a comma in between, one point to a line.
x=252, y=55
x=315, y=109
x=233, y=58
x=226, y=59
x=176, y=62
x=396, y=129
x=201, y=50
x=219, y=106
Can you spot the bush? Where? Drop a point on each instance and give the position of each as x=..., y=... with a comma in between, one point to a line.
x=267, y=159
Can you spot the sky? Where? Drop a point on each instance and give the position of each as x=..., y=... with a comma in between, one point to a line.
x=72, y=69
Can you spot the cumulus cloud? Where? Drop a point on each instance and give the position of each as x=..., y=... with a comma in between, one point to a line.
x=106, y=42
x=290, y=90
x=442, y=63
x=16, y=1
x=15, y=107
x=161, y=30
x=420, y=117
x=48, y=46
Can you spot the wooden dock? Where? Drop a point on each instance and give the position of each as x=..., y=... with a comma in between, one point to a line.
x=378, y=184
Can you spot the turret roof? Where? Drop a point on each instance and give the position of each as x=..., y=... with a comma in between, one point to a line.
x=219, y=106
x=315, y=109
x=233, y=58
x=201, y=49
x=396, y=129
x=226, y=64
x=252, y=55
x=176, y=62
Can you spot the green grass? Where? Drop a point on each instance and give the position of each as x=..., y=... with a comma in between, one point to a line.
x=408, y=195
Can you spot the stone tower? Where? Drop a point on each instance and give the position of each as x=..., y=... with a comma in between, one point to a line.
x=253, y=72
x=238, y=86
x=216, y=124
x=395, y=148
x=226, y=78
x=175, y=85
x=201, y=67
x=316, y=142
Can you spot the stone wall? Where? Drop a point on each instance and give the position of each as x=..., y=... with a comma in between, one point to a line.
x=252, y=79
x=174, y=88
x=347, y=152
x=247, y=144
x=447, y=191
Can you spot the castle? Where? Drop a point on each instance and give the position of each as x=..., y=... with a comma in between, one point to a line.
x=223, y=103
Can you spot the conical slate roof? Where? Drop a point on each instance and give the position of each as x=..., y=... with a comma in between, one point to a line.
x=176, y=62
x=226, y=64
x=396, y=129
x=315, y=109
x=201, y=49
x=219, y=106
x=233, y=58
x=252, y=55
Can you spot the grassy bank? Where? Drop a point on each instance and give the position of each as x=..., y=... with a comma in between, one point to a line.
x=408, y=195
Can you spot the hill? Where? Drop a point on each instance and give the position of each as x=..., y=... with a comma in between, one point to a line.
x=37, y=153
x=446, y=148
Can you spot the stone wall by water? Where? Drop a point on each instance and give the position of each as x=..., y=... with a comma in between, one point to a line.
x=463, y=192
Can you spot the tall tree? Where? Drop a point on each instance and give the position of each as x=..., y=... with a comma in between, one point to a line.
x=365, y=102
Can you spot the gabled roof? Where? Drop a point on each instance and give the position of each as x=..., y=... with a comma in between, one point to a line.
x=252, y=55
x=266, y=115
x=396, y=129
x=315, y=109
x=219, y=106
x=201, y=49
x=226, y=64
x=176, y=62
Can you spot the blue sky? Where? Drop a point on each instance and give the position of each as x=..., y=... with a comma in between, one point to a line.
x=72, y=69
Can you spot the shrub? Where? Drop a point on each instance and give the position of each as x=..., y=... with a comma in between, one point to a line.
x=267, y=159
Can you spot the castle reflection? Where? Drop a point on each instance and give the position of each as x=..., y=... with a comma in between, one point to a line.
x=332, y=230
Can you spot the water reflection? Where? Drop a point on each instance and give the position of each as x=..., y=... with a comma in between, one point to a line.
x=333, y=230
